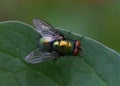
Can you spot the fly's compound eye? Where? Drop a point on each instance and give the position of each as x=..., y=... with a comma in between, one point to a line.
x=77, y=44
x=76, y=52
x=77, y=48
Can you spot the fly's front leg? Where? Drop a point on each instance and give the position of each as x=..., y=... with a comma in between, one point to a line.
x=68, y=34
x=82, y=37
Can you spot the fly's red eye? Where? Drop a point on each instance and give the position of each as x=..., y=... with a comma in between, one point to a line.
x=77, y=48
x=77, y=44
x=76, y=52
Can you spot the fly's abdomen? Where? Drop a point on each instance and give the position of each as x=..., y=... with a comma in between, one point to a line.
x=63, y=46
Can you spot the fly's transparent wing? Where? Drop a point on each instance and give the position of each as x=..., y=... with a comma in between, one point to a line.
x=38, y=56
x=42, y=25
x=46, y=30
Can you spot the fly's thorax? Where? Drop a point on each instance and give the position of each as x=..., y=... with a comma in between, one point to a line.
x=64, y=46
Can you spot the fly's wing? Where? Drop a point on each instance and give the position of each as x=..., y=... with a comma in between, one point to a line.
x=38, y=56
x=46, y=30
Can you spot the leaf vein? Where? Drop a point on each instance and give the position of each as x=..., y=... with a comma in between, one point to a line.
x=96, y=73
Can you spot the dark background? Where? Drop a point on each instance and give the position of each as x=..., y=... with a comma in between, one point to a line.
x=98, y=19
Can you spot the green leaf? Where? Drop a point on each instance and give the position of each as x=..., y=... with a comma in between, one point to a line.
x=97, y=65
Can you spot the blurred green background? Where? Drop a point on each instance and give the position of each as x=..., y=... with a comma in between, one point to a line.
x=98, y=19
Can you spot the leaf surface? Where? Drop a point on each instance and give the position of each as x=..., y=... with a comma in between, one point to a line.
x=97, y=65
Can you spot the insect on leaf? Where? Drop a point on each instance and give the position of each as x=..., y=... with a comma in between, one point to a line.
x=97, y=65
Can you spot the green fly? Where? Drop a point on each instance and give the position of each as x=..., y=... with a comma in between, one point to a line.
x=52, y=44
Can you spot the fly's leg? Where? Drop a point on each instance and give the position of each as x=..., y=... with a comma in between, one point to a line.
x=82, y=37
x=55, y=54
x=68, y=34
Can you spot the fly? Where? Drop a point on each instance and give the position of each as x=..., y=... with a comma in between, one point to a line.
x=52, y=44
